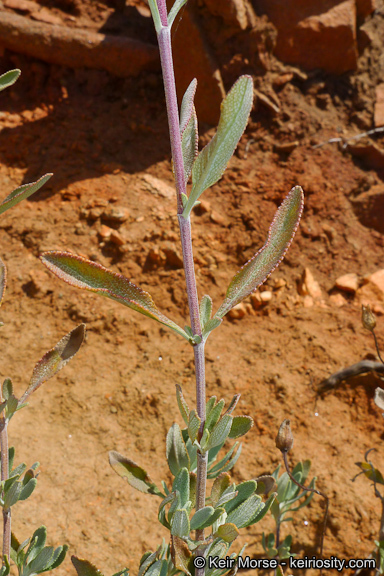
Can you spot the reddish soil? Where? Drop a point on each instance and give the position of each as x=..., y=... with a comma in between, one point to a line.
x=101, y=136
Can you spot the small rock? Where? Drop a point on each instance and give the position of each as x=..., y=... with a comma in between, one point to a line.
x=285, y=147
x=22, y=5
x=379, y=106
x=348, y=282
x=115, y=214
x=155, y=259
x=308, y=301
x=157, y=186
x=237, y=312
x=173, y=258
x=105, y=232
x=117, y=238
x=94, y=213
x=279, y=283
x=369, y=295
x=377, y=278
x=217, y=218
x=46, y=16
x=39, y=283
x=337, y=300
x=308, y=286
x=266, y=296
x=256, y=300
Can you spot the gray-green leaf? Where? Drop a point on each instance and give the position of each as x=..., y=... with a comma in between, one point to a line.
x=213, y=159
x=188, y=128
x=3, y=279
x=177, y=455
x=257, y=270
x=220, y=432
x=180, y=524
x=83, y=273
x=55, y=359
x=9, y=78
x=136, y=476
x=23, y=192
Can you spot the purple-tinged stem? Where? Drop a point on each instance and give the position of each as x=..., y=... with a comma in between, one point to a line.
x=164, y=39
x=4, y=476
x=163, y=12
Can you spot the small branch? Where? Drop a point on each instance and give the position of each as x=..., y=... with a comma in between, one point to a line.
x=362, y=367
x=346, y=141
x=4, y=477
x=377, y=347
x=318, y=492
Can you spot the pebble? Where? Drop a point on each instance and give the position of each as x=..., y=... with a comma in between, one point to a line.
x=308, y=286
x=115, y=214
x=348, y=282
x=337, y=300
x=237, y=312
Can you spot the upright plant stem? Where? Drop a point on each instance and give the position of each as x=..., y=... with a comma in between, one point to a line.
x=164, y=39
x=4, y=476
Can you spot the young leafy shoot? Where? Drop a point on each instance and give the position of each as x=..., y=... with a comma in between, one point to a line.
x=259, y=268
x=3, y=280
x=178, y=4
x=136, y=476
x=210, y=164
x=54, y=360
x=23, y=192
x=9, y=78
x=83, y=273
x=188, y=129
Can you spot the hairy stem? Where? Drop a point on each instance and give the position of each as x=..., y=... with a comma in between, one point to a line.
x=164, y=39
x=315, y=491
x=4, y=476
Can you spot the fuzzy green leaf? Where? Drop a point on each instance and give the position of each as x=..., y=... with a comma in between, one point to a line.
x=7, y=388
x=261, y=512
x=213, y=159
x=183, y=406
x=178, y=4
x=228, y=532
x=240, y=426
x=12, y=495
x=177, y=455
x=188, y=128
x=83, y=273
x=133, y=473
x=55, y=359
x=205, y=517
x=9, y=78
x=23, y=192
x=214, y=415
x=244, y=491
x=28, y=489
x=180, y=524
x=371, y=472
x=193, y=425
x=211, y=325
x=181, y=484
x=3, y=279
x=220, y=432
x=84, y=567
x=259, y=268
x=205, y=310
x=219, y=486
x=180, y=554
x=225, y=463
x=243, y=514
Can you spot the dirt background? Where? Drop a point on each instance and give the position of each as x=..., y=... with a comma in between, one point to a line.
x=105, y=138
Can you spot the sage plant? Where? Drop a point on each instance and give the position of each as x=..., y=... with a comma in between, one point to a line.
x=18, y=483
x=186, y=509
